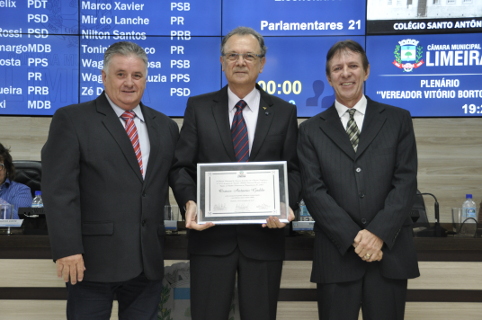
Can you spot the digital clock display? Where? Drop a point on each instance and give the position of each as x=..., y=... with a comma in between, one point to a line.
x=472, y=109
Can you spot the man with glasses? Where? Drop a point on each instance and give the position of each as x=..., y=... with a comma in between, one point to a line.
x=254, y=252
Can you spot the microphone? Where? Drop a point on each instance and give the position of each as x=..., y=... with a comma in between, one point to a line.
x=436, y=230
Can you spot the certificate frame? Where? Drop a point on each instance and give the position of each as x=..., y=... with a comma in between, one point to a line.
x=242, y=192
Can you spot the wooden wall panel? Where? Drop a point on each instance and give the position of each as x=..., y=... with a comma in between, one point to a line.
x=38, y=310
x=434, y=275
x=450, y=165
x=296, y=275
x=40, y=273
x=29, y=273
x=35, y=273
x=55, y=310
x=449, y=152
x=448, y=276
x=443, y=311
x=25, y=136
x=413, y=311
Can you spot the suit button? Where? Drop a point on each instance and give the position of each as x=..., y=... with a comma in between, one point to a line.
x=364, y=221
x=143, y=222
x=144, y=195
x=358, y=170
x=362, y=195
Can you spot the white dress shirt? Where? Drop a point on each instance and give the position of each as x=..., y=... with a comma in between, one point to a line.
x=360, y=107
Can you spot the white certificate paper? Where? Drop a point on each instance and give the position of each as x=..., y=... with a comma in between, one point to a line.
x=242, y=193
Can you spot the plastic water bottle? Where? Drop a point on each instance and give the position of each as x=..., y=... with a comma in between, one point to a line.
x=304, y=214
x=37, y=200
x=469, y=210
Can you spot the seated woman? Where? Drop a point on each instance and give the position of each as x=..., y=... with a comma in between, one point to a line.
x=12, y=192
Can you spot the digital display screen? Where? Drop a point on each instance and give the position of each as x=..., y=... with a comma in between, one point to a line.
x=40, y=17
x=427, y=74
x=422, y=16
x=177, y=69
x=36, y=76
x=149, y=18
x=51, y=51
x=296, y=18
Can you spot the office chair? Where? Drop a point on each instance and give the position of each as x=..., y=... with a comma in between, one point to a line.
x=28, y=172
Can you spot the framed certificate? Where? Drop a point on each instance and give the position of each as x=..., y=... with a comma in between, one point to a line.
x=241, y=193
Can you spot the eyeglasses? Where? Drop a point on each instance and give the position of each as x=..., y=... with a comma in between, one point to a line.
x=2, y=166
x=249, y=57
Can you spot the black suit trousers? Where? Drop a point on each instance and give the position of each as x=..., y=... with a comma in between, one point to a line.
x=138, y=299
x=378, y=297
x=213, y=281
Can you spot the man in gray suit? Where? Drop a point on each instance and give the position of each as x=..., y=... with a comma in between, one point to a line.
x=358, y=163
x=106, y=165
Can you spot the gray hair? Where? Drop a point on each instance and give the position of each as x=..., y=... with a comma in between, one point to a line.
x=244, y=31
x=124, y=48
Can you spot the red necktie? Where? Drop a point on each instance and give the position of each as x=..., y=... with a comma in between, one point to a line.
x=239, y=133
x=131, y=130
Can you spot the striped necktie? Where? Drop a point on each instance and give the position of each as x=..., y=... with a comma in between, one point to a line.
x=131, y=130
x=239, y=133
x=352, y=129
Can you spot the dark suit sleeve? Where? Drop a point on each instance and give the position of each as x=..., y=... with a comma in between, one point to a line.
x=60, y=186
x=399, y=201
x=183, y=182
x=291, y=156
x=335, y=222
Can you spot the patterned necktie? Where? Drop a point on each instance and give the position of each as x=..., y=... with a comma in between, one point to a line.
x=239, y=133
x=352, y=130
x=131, y=130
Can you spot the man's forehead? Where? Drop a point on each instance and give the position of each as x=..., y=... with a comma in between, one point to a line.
x=244, y=39
x=345, y=53
x=117, y=63
x=119, y=58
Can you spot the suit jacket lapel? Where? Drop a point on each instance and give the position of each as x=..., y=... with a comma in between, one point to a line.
x=372, y=124
x=331, y=125
x=266, y=115
x=221, y=116
x=155, y=142
x=113, y=125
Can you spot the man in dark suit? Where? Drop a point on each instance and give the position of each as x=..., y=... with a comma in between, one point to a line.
x=253, y=252
x=359, y=181
x=104, y=192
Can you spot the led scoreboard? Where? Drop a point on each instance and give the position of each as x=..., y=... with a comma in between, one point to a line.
x=51, y=51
